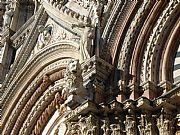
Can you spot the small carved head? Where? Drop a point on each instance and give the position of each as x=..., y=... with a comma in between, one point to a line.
x=74, y=67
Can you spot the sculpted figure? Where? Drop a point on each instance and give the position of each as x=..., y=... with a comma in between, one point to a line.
x=7, y=16
x=44, y=37
x=87, y=39
x=96, y=12
x=74, y=92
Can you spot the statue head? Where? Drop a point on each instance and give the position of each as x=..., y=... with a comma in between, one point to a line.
x=74, y=67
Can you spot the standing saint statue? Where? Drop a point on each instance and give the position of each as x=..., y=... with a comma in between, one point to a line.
x=87, y=40
x=7, y=16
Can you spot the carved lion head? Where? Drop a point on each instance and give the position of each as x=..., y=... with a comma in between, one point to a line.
x=74, y=67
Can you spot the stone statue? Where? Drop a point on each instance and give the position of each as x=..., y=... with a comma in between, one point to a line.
x=96, y=12
x=74, y=92
x=44, y=37
x=87, y=39
x=96, y=15
x=7, y=16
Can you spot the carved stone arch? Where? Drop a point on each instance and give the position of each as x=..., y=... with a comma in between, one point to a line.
x=125, y=54
x=154, y=44
x=116, y=35
x=169, y=26
x=54, y=124
x=168, y=55
x=45, y=106
x=138, y=52
x=50, y=55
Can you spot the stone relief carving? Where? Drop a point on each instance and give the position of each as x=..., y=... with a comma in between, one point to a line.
x=165, y=122
x=147, y=125
x=130, y=125
x=115, y=129
x=74, y=92
x=62, y=34
x=84, y=126
x=106, y=127
x=96, y=12
x=83, y=3
x=44, y=37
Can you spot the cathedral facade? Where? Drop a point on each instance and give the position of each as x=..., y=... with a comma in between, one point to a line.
x=90, y=67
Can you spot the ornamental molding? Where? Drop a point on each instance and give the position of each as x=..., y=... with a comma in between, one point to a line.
x=116, y=29
x=131, y=36
x=153, y=45
x=55, y=50
x=23, y=54
x=25, y=103
x=21, y=35
x=42, y=102
x=29, y=91
x=143, y=110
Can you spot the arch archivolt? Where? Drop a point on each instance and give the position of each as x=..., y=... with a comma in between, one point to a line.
x=152, y=49
x=38, y=62
x=119, y=24
x=143, y=36
x=50, y=62
x=168, y=54
x=42, y=110
x=140, y=54
x=131, y=35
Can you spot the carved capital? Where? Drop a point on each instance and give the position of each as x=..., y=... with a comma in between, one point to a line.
x=85, y=125
x=165, y=122
x=130, y=125
x=144, y=104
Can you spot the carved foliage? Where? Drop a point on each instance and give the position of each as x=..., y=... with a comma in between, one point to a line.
x=147, y=125
x=165, y=122
x=130, y=125
x=84, y=126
